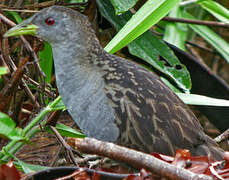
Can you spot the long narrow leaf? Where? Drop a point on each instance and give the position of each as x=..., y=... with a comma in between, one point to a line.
x=217, y=10
x=195, y=99
x=210, y=36
x=46, y=61
x=175, y=33
x=148, y=15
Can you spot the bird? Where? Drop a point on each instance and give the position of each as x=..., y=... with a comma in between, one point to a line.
x=110, y=98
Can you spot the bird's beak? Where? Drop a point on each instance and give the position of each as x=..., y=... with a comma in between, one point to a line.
x=21, y=29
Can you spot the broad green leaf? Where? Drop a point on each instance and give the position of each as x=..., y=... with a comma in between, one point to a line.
x=170, y=85
x=6, y=124
x=217, y=10
x=66, y=131
x=210, y=36
x=149, y=48
x=46, y=61
x=175, y=33
x=123, y=5
x=195, y=99
x=148, y=15
x=8, y=128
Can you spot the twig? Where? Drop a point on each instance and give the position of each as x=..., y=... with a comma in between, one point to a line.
x=222, y=137
x=194, y=21
x=20, y=10
x=66, y=146
x=32, y=52
x=26, y=43
x=200, y=47
x=137, y=159
x=102, y=173
x=13, y=66
x=38, y=85
x=30, y=94
x=28, y=8
x=9, y=88
x=88, y=158
x=72, y=175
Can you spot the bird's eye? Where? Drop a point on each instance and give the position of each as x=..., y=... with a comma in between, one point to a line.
x=49, y=21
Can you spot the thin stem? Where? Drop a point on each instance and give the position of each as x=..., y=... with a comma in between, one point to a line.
x=29, y=130
x=194, y=21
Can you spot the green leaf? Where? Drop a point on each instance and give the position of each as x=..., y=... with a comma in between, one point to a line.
x=175, y=33
x=66, y=131
x=217, y=10
x=28, y=168
x=195, y=99
x=210, y=36
x=6, y=124
x=46, y=61
x=123, y=5
x=150, y=48
x=148, y=15
x=8, y=128
x=30, y=130
x=3, y=70
x=171, y=86
x=16, y=16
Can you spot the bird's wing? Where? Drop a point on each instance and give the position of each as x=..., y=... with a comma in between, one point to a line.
x=148, y=113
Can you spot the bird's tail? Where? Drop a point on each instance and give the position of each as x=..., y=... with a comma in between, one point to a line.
x=210, y=148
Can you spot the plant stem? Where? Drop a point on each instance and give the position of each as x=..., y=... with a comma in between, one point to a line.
x=29, y=130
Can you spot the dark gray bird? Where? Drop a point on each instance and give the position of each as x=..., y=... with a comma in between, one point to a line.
x=110, y=98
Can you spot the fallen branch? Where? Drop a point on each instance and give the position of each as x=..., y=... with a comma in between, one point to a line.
x=136, y=158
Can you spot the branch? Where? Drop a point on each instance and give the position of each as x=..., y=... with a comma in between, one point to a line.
x=137, y=159
x=222, y=137
x=199, y=22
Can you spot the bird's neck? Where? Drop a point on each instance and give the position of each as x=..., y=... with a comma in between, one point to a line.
x=77, y=49
x=75, y=67
x=74, y=62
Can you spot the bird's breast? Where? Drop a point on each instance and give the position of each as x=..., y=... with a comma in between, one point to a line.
x=82, y=91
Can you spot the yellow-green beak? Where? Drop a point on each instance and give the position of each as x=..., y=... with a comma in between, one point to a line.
x=22, y=29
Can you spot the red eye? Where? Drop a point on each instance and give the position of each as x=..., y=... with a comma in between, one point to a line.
x=49, y=21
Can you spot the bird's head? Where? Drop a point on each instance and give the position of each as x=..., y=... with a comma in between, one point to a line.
x=54, y=24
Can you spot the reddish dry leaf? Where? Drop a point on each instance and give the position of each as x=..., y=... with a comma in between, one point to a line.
x=220, y=170
x=95, y=176
x=133, y=177
x=82, y=176
x=200, y=164
x=9, y=172
x=162, y=157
